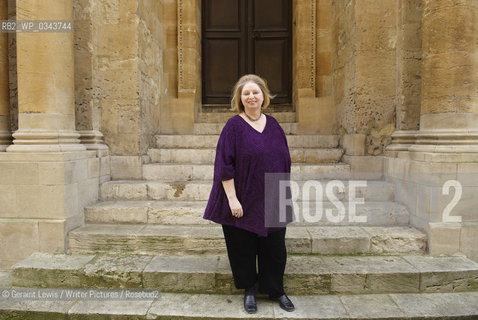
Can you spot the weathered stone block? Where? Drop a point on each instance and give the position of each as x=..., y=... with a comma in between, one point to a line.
x=123, y=190
x=180, y=274
x=396, y=240
x=50, y=271
x=126, y=167
x=444, y=238
x=118, y=271
x=118, y=212
x=339, y=240
x=437, y=273
x=354, y=144
x=52, y=236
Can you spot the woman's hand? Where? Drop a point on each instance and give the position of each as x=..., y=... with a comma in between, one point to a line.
x=236, y=207
x=234, y=204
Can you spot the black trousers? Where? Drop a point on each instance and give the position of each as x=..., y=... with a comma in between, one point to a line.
x=243, y=247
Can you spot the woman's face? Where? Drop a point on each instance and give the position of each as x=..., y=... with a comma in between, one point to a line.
x=252, y=96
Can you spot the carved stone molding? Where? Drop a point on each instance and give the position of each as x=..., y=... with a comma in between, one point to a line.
x=180, y=46
x=444, y=141
x=313, y=44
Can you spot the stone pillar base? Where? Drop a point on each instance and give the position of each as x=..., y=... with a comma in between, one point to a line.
x=453, y=239
x=402, y=140
x=92, y=140
x=439, y=191
x=5, y=140
x=40, y=140
x=42, y=197
x=438, y=141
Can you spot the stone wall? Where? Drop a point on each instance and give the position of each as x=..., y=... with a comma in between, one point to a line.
x=409, y=51
x=150, y=70
x=118, y=68
x=456, y=37
x=85, y=106
x=365, y=69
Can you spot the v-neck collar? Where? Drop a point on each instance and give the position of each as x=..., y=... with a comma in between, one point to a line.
x=249, y=125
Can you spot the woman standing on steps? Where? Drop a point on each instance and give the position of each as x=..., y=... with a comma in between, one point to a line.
x=250, y=145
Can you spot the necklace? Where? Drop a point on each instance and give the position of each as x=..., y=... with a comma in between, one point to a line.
x=253, y=119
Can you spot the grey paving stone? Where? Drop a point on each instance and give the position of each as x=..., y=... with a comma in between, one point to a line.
x=114, y=271
x=110, y=309
x=446, y=274
x=313, y=307
x=442, y=305
x=47, y=270
x=183, y=306
x=371, y=306
x=34, y=310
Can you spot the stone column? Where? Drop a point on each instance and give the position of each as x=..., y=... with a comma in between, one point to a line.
x=46, y=91
x=449, y=103
x=5, y=134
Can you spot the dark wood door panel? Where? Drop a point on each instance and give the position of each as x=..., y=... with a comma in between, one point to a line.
x=219, y=73
x=268, y=60
x=246, y=36
x=221, y=15
x=271, y=15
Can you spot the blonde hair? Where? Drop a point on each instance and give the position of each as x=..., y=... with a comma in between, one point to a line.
x=236, y=103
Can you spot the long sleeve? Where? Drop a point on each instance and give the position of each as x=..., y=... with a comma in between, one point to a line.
x=224, y=164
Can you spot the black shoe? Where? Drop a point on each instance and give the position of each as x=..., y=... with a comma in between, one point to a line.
x=250, y=304
x=285, y=303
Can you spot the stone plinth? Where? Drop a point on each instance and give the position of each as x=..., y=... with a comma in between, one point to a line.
x=42, y=196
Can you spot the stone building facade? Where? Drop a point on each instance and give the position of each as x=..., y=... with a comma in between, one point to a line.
x=397, y=81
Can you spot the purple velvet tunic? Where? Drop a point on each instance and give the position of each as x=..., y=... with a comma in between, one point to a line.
x=245, y=154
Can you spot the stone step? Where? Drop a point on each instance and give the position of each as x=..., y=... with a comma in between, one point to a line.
x=207, y=155
x=404, y=306
x=307, y=213
x=199, y=190
x=188, y=171
x=216, y=128
x=174, y=239
x=5, y=281
x=222, y=117
x=210, y=141
x=304, y=275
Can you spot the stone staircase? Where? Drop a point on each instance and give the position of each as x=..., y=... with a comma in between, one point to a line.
x=150, y=234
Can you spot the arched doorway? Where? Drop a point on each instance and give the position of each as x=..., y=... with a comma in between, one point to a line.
x=246, y=36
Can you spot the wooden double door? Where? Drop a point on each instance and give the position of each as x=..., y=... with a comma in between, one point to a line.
x=246, y=36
